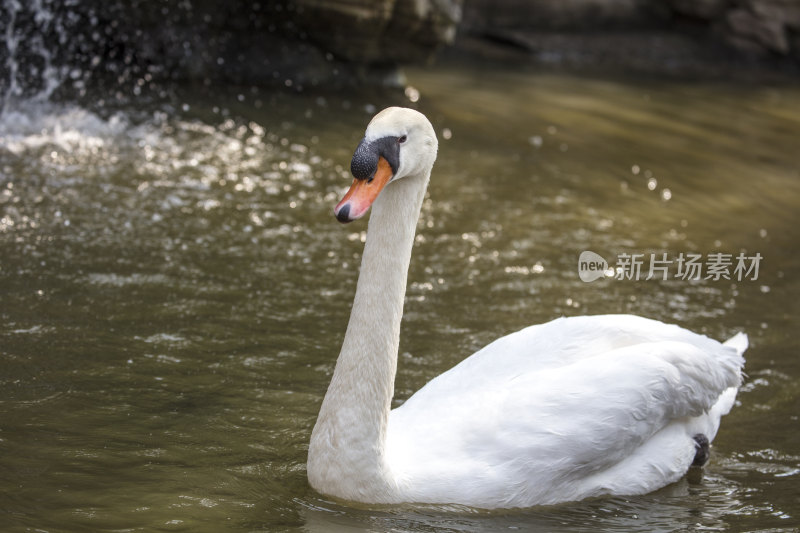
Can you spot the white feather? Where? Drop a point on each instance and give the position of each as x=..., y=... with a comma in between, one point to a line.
x=573, y=408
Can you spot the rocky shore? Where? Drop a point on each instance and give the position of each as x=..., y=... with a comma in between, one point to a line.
x=717, y=38
x=298, y=44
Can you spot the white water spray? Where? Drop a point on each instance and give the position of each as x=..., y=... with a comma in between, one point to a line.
x=31, y=36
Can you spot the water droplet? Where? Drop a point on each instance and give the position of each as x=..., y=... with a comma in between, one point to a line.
x=412, y=93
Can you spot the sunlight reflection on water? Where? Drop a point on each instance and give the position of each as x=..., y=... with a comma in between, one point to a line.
x=175, y=288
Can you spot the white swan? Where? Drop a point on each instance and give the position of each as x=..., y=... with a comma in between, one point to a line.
x=574, y=408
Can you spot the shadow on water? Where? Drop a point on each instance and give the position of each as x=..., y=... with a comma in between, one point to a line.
x=174, y=288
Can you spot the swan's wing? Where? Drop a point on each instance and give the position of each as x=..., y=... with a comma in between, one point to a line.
x=516, y=432
x=566, y=340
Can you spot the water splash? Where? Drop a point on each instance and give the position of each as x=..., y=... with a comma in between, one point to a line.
x=32, y=35
x=31, y=126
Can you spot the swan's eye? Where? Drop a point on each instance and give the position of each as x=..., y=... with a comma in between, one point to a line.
x=402, y=139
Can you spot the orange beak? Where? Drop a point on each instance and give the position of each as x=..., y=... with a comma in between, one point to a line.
x=362, y=193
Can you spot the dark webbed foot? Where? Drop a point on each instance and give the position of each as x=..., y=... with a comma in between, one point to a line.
x=702, y=451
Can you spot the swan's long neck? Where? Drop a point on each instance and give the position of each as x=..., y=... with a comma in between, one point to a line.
x=346, y=453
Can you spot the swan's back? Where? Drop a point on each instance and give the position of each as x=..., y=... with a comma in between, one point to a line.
x=561, y=411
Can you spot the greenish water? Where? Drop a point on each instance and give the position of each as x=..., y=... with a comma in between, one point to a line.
x=174, y=288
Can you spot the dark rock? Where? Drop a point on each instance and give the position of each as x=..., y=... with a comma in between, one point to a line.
x=383, y=31
x=693, y=37
x=769, y=33
x=786, y=11
x=702, y=9
x=292, y=43
x=753, y=26
x=557, y=15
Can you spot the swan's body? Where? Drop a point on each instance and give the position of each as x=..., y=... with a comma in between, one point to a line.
x=574, y=408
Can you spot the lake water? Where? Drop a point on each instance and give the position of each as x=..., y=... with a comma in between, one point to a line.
x=174, y=288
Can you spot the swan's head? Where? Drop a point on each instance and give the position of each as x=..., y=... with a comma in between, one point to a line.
x=398, y=143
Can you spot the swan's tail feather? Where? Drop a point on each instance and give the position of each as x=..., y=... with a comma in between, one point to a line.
x=724, y=404
x=726, y=400
x=738, y=342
